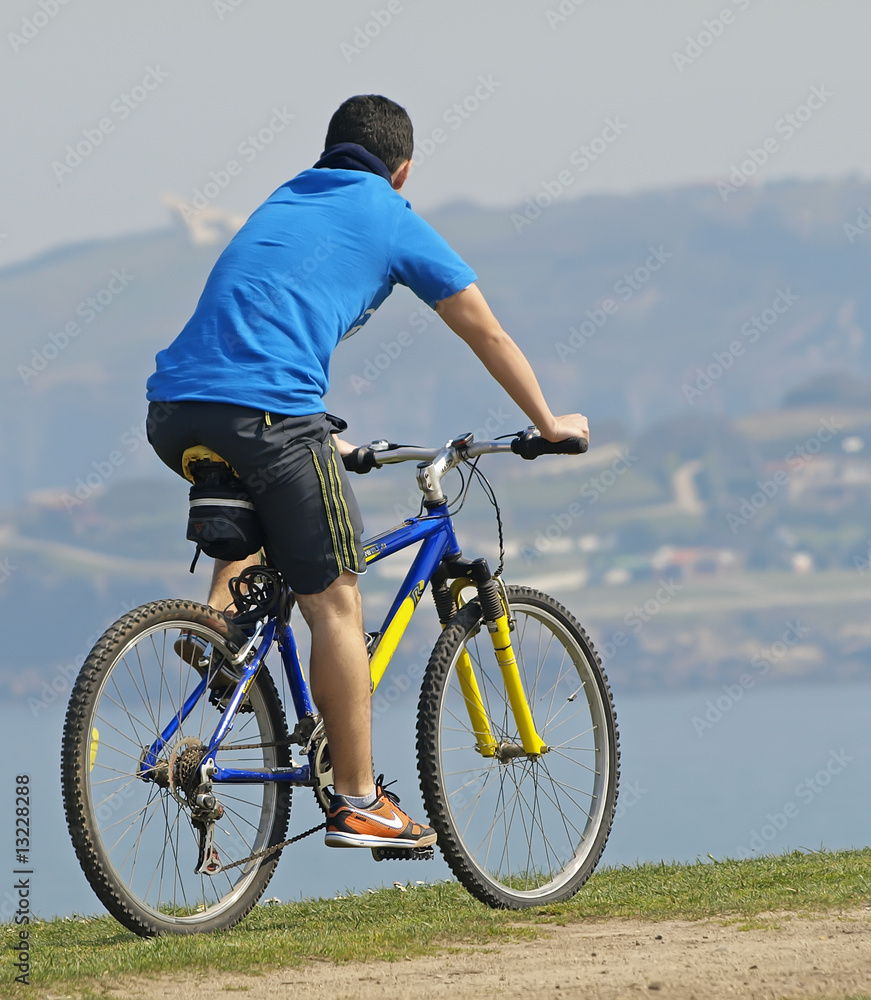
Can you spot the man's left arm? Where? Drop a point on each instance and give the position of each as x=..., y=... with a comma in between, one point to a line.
x=342, y=447
x=355, y=458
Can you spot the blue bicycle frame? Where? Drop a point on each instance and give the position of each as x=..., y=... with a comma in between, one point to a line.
x=435, y=532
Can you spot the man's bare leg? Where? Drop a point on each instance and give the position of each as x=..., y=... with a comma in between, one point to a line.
x=340, y=686
x=222, y=573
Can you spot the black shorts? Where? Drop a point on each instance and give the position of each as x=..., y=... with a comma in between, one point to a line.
x=293, y=473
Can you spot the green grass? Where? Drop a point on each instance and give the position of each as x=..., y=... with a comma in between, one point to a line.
x=81, y=954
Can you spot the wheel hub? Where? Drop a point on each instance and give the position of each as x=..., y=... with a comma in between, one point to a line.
x=506, y=751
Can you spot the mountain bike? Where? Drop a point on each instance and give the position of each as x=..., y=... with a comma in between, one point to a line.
x=177, y=769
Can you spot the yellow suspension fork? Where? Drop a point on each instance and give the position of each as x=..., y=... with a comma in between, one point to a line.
x=500, y=634
x=475, y=706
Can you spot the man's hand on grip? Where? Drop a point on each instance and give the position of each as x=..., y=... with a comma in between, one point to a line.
x=360, y=460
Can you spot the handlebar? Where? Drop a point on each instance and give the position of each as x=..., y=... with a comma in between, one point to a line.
x=435, y=463
x=529, y=444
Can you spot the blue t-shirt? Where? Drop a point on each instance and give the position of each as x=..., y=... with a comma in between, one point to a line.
x=308, y=268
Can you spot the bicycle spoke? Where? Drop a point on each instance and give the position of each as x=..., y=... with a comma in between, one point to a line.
x=580, y=764
x=143, y=838
x=524, y=829
x=562, y=814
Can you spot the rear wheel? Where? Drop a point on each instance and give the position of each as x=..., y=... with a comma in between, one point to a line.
x=519, y=830
x=135, y=837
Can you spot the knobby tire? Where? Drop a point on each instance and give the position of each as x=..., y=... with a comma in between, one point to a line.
x=134, y=840
x=524, y=830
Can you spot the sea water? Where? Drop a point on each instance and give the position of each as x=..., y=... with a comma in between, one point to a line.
x=703, y=774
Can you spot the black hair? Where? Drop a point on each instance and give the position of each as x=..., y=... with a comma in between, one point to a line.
x=377, y=124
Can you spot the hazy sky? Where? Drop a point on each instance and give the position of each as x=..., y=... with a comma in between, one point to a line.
x=161, y=95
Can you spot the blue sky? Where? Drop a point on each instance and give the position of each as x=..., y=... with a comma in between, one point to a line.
x=112, y=107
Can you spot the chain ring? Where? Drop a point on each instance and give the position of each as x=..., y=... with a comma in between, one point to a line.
x=322, y=773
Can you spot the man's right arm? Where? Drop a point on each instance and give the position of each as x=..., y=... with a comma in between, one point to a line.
x=469, y=316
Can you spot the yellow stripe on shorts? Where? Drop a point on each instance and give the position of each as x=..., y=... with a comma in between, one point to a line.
x=327, y=507
x=352, y=563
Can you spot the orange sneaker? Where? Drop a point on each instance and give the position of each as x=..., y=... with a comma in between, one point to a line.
x=379, y=825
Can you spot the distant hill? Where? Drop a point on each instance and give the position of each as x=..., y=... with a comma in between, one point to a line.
x=676, y=321
x=681, y=272
x=832, y=388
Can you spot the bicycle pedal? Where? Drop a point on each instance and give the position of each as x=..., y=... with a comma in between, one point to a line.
x=403, y=853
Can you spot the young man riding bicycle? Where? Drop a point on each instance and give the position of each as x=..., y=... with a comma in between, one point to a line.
x=246, y=378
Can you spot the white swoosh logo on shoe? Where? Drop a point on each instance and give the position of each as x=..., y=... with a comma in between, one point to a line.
x=395, y=823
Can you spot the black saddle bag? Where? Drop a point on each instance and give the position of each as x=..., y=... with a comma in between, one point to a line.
x=222, y=519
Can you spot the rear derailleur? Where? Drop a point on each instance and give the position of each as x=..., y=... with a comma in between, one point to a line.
x=188, y=781
x=205, y=812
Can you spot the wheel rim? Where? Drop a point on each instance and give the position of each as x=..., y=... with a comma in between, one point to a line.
x=148, y=845
x=529, y=825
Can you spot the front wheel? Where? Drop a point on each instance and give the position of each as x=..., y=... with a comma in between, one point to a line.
x=135, y=830
x=519, y=830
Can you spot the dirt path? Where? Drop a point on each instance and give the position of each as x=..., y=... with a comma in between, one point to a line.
x=781, y=956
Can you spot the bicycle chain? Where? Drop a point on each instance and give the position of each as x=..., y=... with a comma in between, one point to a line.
x=301, y=734
x=286, y=742
x=271, y=850
x=295, y=737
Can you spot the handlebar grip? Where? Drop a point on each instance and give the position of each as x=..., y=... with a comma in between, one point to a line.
x=530, y=446
x=361, y=460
